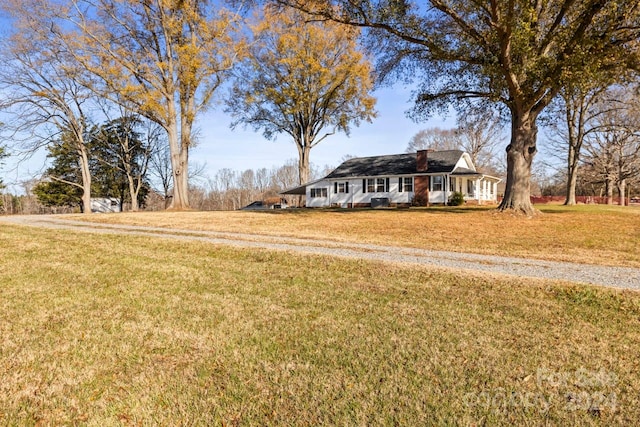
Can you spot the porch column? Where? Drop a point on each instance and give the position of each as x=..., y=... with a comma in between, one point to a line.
x=352, y=189
x=445, y=187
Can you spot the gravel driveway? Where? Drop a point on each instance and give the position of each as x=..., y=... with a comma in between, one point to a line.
x=618, y=277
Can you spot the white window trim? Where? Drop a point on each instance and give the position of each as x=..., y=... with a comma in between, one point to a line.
x=433, y=183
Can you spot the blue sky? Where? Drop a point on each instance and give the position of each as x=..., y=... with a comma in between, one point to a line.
x=241, y=149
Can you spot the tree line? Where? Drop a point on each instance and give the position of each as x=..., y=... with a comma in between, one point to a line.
x=67, y=64
x=596, y=131
x=165, y=60
x=118, y=155
x=512, y=56
x=230, y=189
x=592, y=139
x=226, y=189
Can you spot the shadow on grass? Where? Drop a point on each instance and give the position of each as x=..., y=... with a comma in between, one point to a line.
x=545, y=209
x=582, y=208
x=400, y=211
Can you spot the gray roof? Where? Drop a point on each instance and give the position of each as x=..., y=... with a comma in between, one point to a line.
x=300, y=190
x=396, y=164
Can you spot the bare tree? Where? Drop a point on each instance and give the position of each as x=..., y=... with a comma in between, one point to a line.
x=223, y=185
x=160, y=166
x=479, y=135
x=613, y=151
x=434, y=139
x=262, y=181
x=573, y=118
x=43, y=93
x=3, y=154
x=284, y=177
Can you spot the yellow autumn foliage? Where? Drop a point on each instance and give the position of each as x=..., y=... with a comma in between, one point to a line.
x=164, y=57
x=306, y=79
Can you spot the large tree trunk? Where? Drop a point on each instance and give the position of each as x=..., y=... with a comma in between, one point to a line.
x=304, y=168
x=133, y=192
x=180, y=161
x=180, y=168
x=609, y=189
x=304, y=150
x=572, y=176
x=622, y=191
x=520, y=154
x=86, y=179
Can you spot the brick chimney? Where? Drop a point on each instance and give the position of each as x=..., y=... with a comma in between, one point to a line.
x=422, y=160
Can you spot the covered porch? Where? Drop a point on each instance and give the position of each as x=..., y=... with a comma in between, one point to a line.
x=476, y=187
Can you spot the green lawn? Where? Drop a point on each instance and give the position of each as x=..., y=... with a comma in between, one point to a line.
x=110, y=330
x=592, y=234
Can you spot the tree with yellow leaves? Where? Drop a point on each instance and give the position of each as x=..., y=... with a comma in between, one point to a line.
x=305, y=79
x=163, y=58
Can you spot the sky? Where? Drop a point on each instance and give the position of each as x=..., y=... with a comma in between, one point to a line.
x=389, y=133
x=240, y=149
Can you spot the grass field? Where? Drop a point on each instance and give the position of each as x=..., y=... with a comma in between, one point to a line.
x=120, y=330
x=593, y=234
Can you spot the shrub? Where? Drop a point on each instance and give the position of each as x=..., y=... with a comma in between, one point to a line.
x=456, y=199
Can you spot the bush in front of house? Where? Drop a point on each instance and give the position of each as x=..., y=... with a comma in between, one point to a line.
x=456, y=199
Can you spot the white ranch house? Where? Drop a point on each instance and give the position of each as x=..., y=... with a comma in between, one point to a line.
x=400, y=180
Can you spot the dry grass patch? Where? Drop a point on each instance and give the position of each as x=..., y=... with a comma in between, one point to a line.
x=592, y=234
x=112, y=330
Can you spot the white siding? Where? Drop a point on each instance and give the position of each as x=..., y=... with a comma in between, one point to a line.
x=484, y=190
x=318, y=202
x=356, y=195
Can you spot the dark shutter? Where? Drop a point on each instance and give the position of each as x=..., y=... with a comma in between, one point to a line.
x=335, y=187
x=346, y=187
x=364, y=185
x=400, y=184
x=386, y=185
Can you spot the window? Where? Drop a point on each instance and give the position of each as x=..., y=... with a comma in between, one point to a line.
x=371, y=185
x=405, y=184
x=340, y=187
x=376, y=185
x=436, y=183
x=452, y=184
x=318, y=192
x=471, y=187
